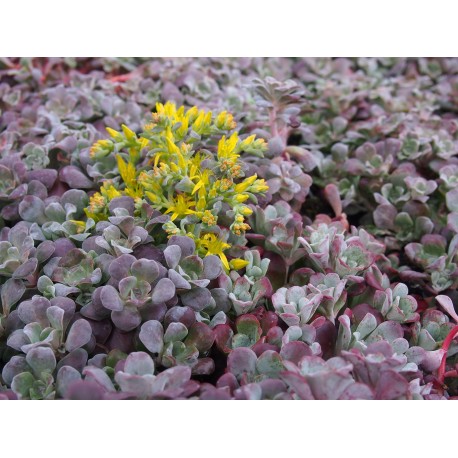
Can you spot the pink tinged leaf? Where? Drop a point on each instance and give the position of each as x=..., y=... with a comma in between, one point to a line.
x=295, y=351
x=391, y=385
x=242, y=360
x=447, y=304
x=357, y=391
x=433, y=359
x=333, y=197
x=344, y=335
x=298, y=384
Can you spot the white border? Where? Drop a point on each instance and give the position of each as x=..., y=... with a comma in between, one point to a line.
x=228, y=28
x=236, y=429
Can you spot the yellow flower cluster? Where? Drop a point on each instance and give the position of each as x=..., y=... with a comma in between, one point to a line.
x=185, y=171
x=97, y=209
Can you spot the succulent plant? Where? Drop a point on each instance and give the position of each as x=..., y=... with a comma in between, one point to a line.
x=134, y=377
x=436, y=259
x=396, y=304
x=295, y=305
x=131, y=292
x=121, y=236
x=77, y=270
x=329, y=249
x=243, y=293
x=49, y=324
x=287, y=181
x=31, y=377
x=179, y=345
x=259, y=334
x=36, y=157
x=137, y=377
x=17, y=250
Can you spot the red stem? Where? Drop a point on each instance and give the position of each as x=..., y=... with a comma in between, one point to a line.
x=445, y=346
x=120, y=78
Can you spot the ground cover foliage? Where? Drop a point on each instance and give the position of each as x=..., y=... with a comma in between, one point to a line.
x=228, y=228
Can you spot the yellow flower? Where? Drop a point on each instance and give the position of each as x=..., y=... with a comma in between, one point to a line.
x=225, y=121
x=153, y=197
x=239, y=227
x=241, y=197
x=237, y=264
x=96, y=207
x=202, y=201
x=126, y=170
x=192, y=114
x=101, y=148
x=169, y=109
x=245, y=184
x=245, y=211
x=202, y=122
x=224, y=184
x=259, y=186
x=109, y=191
x=247, y=142
x=252, y=145
x=96, y=203
x=80, y=225
x=114, y=133
x=226, y=148
x=149, y=126
x=216, y=246
x=203, y=180
x=180, y=207
x=183, y=129
x=130, y=135
x=208, y=218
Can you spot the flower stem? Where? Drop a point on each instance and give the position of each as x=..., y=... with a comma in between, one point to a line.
x=445, y=346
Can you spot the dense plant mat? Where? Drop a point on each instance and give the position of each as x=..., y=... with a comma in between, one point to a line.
x=228, y=228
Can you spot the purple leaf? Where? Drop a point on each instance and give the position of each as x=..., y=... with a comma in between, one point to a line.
x=110, y=299
x=152, y=336
x=79, y=335
x=242, y=360
x=163, y=291
x=75, y=178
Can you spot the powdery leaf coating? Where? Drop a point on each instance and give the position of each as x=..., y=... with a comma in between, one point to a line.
x=79, y=335
x=197, y=299
x=163, y=291
x=66, y=376
x=110, y=299
x=41, y=359
x=152, y=336
x=75, y=178
x=11, y=292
